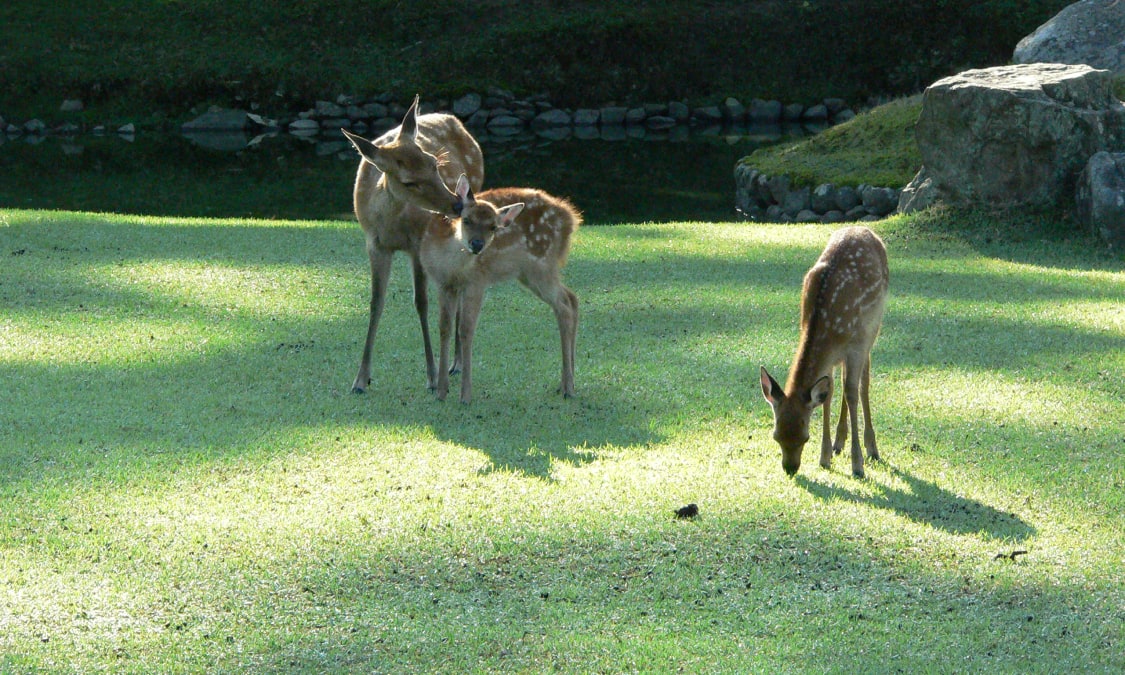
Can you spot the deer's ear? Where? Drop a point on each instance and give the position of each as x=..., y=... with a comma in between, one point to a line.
x=820, y=391
x=410, y=122
x=464, y=192
x=508, y=213
x=770, y=388
x=369, y=151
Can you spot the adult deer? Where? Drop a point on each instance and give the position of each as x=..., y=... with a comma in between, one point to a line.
x=841, y=312
x=403, y=185
x=504, y=233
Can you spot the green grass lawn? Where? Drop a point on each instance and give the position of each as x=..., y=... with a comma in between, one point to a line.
x=186, y=484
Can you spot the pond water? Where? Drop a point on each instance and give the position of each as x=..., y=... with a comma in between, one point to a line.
x=612, y=179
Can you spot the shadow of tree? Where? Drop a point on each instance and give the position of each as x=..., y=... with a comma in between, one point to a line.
x=926, y=502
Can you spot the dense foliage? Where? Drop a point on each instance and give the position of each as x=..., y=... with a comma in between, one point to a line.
x=168, y=56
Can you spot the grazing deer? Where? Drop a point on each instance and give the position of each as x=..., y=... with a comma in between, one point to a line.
x=503, y=233
x=841, y=311
x=403, y=185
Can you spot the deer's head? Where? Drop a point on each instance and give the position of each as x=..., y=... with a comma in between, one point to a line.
x=791, y=415
x=410, y=172
x=480, y=220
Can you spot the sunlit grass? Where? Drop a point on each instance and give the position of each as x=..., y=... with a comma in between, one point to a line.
x=186, y=484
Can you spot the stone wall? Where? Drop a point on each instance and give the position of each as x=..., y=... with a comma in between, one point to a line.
x=497, y=111
x=774, y=199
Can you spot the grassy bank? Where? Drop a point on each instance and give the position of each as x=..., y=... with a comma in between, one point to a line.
x=878, y=147
x=187, y=486
x=155, y=60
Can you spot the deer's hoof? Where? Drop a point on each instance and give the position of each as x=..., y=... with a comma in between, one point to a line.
x=356, y=389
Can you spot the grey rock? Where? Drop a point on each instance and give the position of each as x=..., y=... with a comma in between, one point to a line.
x=733, y=110
x=833, y=216
x=792, y=112
x=835, y=105
x=796, y=200
x=679, y=111
x=34, y=126
x=847, y=198
x=467, y=105
x=71, y=105
x=586, y=117
x=635, y=116
x=823, y=198
x=1100, y=197
x=478, y=119
x=778, y=187
x=658, y=122
x=815, y=113
x=1016, y=135
x=879, y=201
x=328, y=109
x=807, y=216
x=918, y=195
x=1090, y=32
x=501, y=94
x=552, y=118
x=764, y=112
x=613, y=116
x=844, y=115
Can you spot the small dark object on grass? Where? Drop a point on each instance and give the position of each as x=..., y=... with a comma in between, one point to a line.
x=1009, y=556
x=687, y=512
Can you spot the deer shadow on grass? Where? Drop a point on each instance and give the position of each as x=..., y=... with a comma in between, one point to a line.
x=924, y=501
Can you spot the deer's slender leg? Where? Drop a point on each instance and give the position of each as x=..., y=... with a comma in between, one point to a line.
x=380, y=274
x=421, y=304
x=868, y=425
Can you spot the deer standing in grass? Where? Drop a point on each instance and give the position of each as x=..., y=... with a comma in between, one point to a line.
x=504, y=233
x=841, y=311
x=403, y=185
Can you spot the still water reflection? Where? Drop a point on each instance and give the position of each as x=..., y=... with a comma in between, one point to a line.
x=613, y=180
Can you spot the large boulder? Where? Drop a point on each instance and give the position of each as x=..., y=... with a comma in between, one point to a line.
x=1101, y=197
x=1015, y=135
x=1090, y=32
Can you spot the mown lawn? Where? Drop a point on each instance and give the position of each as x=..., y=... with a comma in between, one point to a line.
x=186, y=484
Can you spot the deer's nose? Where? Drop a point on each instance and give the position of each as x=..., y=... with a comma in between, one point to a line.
x=475, y=245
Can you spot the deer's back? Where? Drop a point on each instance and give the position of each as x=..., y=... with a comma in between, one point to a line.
x=543, y=229
x=842, y=301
